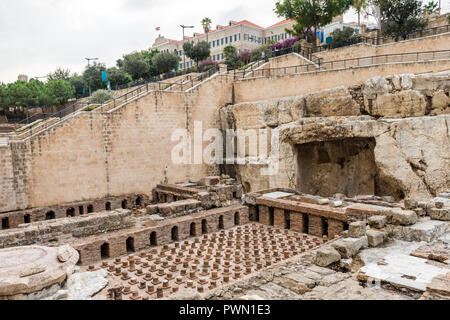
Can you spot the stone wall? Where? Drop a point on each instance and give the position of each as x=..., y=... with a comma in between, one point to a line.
x=7, y=192
x=46, y=232
x=411, y=155
x=437, y=42
x=73, y=209
x=296, y=84
x=95, y=155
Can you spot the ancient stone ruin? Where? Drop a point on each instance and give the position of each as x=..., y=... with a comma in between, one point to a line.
x=350, y=200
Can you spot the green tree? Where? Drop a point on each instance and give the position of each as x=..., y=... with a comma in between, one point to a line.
x=359, y=6
x=59, y=91
x=79, y=83
x=197, y=52
x=3, y=94
x=165, y=62
x=432, y=6
x=400, y=17
x=206, y=24
x=344, y=37
x=136, y=65
x=101, y=96
x=310, y=14
x=18, y=94
x=118, y=77
x=232, y=59
x=59, y=73
x=93, y=76
x=148, y=55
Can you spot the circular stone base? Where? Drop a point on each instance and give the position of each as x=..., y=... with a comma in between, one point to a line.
x=29, y=269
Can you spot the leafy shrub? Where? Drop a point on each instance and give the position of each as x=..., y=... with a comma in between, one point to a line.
x=101, y=96
x=205, y=65
x=344, y=37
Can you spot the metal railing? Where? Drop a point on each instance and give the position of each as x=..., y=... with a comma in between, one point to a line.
x=390, y=39
x=346, y=63
x=156, y=86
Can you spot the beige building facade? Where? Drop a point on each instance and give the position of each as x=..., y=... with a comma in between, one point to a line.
x=244, y=35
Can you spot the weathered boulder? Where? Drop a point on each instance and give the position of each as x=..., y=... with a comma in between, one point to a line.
x=331, y=102
x=408, y=103
x=345, y=249
x=357, y=229
x=377, y=222
x=403, y=217
x=411, y=204
x=440, y=214
x=375, y=237
x=152, y=209
x=326, y=256
x=424, y=230
x=348, y=247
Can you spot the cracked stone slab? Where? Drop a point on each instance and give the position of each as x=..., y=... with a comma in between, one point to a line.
x=277, y=195
x=424, y=230
x=25, y=270
x=402, y=270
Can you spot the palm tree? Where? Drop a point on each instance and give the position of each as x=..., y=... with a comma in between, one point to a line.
x=206, y=23
x=359, y=5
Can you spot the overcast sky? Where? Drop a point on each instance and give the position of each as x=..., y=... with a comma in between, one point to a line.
x=37, y=36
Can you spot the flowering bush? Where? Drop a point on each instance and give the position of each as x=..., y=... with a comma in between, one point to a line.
x=246, y=56
x=206, y=65
x=285, y=44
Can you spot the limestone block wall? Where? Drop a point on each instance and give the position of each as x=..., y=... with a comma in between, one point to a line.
x=437, y=42
x=296, y=84
x=7, y=192
x=95, y=155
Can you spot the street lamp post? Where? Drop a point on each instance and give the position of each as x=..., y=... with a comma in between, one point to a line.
x=89, y=83
x=184, y=55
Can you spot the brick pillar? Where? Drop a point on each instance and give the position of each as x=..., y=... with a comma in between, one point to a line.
x=296, y=221
x=315, y=226
x=335, y=227
x=264, y=215
x=278, y=218
x=169, y=197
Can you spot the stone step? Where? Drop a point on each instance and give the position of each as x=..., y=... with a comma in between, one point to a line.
x=4, y=141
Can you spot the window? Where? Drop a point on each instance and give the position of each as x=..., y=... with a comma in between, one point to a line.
x=231, y=39
x=221, y=224
x=130, y=244
x=192, y=231
x=204, y=226
x=27, y=218
x=175, y=233
x=70, y=212
x=5, y=223
x=138, y=201
x=49, y=215
x=235, y=37
x=104, y=250
x=221, y=41
x=226, y=40
x=153, y=239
